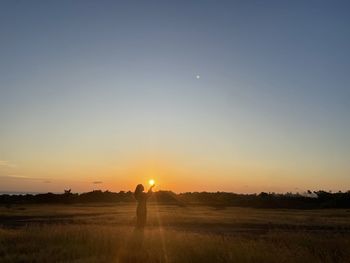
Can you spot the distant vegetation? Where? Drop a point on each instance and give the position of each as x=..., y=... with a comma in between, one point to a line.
x=307, y=200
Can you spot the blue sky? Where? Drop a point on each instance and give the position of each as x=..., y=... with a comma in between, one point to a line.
x=90, y=86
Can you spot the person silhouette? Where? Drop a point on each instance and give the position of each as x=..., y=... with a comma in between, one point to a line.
x=141, y=211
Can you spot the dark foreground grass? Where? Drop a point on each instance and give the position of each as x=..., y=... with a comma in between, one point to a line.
x=91, y=243
x=101, y=237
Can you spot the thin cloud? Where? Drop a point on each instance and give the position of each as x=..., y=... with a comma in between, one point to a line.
x=3, y=162
x=6, y=164
x=21, y=177
x=14, y=176
x=97, y=182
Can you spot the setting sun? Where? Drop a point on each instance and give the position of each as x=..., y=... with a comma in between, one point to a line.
x=151, y=182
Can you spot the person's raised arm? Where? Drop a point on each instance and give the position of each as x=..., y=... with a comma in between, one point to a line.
x=149, y=193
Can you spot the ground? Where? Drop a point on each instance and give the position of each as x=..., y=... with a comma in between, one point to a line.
x=105, y=233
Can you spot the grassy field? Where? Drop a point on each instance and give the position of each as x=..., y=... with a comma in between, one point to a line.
x=105, y=233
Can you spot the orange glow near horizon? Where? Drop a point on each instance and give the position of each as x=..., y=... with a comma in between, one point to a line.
x=174, y=173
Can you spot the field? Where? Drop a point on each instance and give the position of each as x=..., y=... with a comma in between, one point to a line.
x=105, y=233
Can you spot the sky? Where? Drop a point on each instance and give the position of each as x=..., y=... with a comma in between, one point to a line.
x=239, y=96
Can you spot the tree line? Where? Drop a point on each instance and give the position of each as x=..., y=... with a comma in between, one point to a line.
x=307, y=200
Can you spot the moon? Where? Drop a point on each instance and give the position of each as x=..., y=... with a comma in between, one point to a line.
x=198, y=76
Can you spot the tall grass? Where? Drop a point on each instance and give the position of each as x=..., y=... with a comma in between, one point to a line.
x=85, y=233
x=98, y=243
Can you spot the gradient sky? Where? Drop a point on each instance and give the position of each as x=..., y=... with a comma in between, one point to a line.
x=104, y=95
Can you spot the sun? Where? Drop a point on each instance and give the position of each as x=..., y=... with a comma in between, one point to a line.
x=151, y=182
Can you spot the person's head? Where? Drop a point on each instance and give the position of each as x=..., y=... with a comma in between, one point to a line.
x=139, y=189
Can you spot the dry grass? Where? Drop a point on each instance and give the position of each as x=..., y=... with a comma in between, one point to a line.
x=106, y=234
